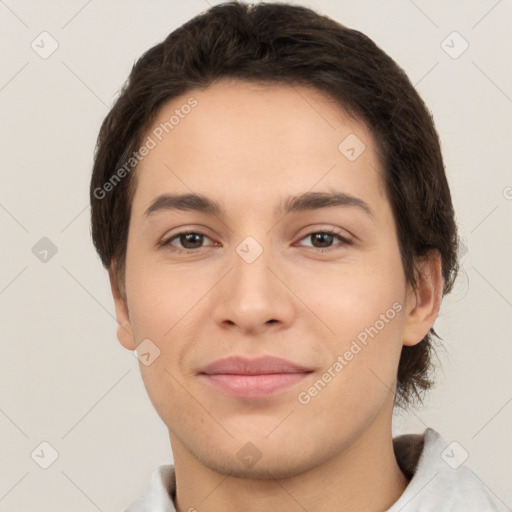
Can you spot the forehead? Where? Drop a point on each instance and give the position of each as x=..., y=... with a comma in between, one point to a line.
x=245, y=140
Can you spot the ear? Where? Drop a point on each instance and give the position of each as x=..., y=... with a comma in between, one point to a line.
x=124, y=326
x=424, y=302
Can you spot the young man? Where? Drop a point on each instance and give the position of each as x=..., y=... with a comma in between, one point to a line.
x=270, y=199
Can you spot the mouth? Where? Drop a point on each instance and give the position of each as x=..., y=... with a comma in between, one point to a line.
x=252, y=378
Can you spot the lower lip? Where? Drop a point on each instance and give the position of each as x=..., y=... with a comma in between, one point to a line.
x=253, y=386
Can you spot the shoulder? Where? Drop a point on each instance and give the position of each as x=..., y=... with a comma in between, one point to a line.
x=439, y=480
x=159, y=494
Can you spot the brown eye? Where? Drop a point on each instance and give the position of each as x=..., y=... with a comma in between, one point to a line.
x=190, y=241
x=323, y=239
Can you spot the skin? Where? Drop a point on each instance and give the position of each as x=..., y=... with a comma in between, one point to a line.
x=247, y=146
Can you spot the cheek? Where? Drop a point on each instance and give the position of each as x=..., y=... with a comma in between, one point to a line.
x=159, y=312
x=355, y=296
x=158, y=297
x=366, y=314
x=364, y=310
x=165, y=307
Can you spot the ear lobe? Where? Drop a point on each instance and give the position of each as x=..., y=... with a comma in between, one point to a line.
x=424, y=302
x=124, y=326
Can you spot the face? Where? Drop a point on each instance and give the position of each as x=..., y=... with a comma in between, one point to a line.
x=321, y=286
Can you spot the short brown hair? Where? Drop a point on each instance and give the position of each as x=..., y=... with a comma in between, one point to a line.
x=279, y=43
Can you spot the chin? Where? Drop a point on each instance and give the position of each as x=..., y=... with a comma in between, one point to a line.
x=268, y=467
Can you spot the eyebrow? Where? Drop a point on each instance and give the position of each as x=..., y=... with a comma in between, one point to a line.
x=307, y=201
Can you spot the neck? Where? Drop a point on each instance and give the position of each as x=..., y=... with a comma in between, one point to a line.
x=364, y=476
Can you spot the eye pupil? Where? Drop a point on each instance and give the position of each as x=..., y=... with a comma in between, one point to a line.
x=321, y=237
x=184, y=239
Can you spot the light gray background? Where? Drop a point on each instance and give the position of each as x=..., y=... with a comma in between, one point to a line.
x=66, y=380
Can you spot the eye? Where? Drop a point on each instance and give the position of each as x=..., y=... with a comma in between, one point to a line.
x=325, y=239
x=191, y=241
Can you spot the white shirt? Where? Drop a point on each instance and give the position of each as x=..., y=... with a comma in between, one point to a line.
x=437, y=482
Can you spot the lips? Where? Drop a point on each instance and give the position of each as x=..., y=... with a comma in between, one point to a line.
x=237, y=365
x=253, y=378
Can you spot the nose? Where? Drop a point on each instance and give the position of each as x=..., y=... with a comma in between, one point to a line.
x=254, y=295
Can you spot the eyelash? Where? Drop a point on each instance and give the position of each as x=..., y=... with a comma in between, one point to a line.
x=167, y=243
